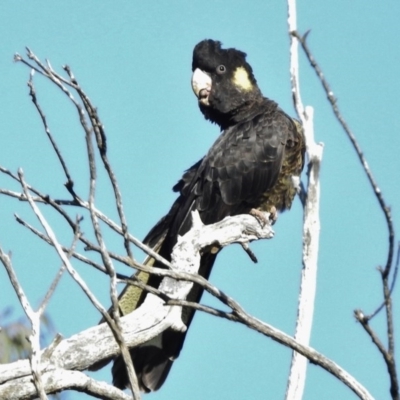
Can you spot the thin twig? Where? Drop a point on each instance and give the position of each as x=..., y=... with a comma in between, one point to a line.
x=56, y=204
x=97, y=127
x=60, y=272
x=393, y=284
x=116, y=327
x=101, y=141
x=390, y=355
x=61, y=253
x=377, y=191
x=32, y=93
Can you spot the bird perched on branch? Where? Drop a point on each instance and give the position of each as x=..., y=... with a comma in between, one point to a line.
x=249, y=168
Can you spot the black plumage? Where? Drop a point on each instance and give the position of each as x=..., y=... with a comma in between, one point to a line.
x=250, y=166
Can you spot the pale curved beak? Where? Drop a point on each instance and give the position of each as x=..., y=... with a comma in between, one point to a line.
x=201, y=85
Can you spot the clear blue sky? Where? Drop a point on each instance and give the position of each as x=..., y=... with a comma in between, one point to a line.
x=134, y=61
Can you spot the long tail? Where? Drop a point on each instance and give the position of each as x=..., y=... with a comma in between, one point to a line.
x=153, y=360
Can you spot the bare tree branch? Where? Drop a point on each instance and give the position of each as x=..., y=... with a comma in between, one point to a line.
x=377, y=191
x=107, y=260
x=101, y=141
x=154, y=316
x=56, y=204
x=114, y=325
x=388, y=355
x=59, y=274
x=34, y=337
x=32, y=93
x=59, y=379
x=311, y=225
x=101, y=336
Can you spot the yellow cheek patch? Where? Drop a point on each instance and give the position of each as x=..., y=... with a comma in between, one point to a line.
x=241, y=79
